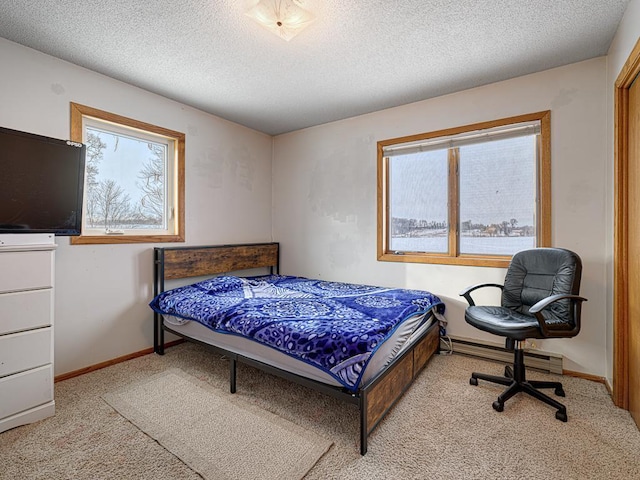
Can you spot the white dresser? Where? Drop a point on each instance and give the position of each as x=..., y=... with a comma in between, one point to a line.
x=26, y=328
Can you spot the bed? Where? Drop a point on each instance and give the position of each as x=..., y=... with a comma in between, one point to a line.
x=359, y=343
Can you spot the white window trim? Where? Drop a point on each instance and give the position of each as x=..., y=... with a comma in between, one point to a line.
x=169, y=186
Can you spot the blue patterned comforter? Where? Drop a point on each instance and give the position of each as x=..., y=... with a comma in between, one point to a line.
x=333, y=326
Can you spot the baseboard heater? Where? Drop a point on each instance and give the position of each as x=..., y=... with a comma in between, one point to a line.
x=538, y=359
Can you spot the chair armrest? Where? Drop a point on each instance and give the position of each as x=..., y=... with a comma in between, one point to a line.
x=466, y=293
x=545, y=302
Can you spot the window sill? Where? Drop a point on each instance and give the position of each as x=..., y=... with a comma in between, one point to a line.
x=469, y=260
x=113, y=239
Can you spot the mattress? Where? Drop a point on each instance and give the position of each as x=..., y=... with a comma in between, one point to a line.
x=337, y=329
x=401, y=339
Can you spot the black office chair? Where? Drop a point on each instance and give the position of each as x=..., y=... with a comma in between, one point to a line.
x=539, y=300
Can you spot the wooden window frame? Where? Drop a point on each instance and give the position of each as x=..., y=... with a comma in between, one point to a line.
x=453, y=257
x=78, y=112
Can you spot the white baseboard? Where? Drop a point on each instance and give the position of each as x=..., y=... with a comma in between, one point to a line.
x=538, y=359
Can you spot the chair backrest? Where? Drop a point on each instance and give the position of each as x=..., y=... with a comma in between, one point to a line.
x=539, y=273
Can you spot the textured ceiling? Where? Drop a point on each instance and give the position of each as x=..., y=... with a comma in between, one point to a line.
x=357, y=57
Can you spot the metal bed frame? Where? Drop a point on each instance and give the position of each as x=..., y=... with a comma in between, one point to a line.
x=374, y=399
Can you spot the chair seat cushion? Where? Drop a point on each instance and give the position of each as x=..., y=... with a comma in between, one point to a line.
x=503, y=321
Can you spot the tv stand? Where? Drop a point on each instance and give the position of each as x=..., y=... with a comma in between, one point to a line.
x=26, y=328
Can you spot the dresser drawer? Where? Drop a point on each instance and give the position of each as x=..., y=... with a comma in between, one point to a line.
x=25, y=350
x=25, y=310
x=26, y=270
x=26, y=390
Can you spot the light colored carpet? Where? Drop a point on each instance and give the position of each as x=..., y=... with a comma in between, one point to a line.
x=443, y=428
x=219, y=436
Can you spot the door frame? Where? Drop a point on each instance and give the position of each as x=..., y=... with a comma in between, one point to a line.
x=628, y=74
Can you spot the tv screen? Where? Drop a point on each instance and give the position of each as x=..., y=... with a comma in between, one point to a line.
x=41, y=184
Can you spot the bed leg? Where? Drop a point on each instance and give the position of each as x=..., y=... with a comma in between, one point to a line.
x=233, y=364
x=363, y=423
x=161, y=338
x=155, y=333
x=158, y=335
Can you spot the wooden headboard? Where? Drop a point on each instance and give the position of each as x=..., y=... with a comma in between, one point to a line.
x=181, y=262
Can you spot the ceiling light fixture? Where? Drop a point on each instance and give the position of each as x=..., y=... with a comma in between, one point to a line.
x=285, y=18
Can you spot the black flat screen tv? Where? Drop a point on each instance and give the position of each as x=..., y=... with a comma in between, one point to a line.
x=41, y=184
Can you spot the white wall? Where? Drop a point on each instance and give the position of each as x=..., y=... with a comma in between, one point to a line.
x=102, y=291
x=625, y=39
x=324, y=194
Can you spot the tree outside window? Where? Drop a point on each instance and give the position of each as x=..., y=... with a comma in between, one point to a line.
x=134, y=181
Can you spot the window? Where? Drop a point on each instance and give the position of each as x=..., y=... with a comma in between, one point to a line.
x=134, y=179
x=473, y=195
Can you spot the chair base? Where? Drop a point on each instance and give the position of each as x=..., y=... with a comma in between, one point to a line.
x=516, y=382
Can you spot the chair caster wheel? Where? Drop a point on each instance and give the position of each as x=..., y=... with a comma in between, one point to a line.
x=498, y=406
x=561, y=416
x=559, y=392
x=508, y=371
x=473, y=381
